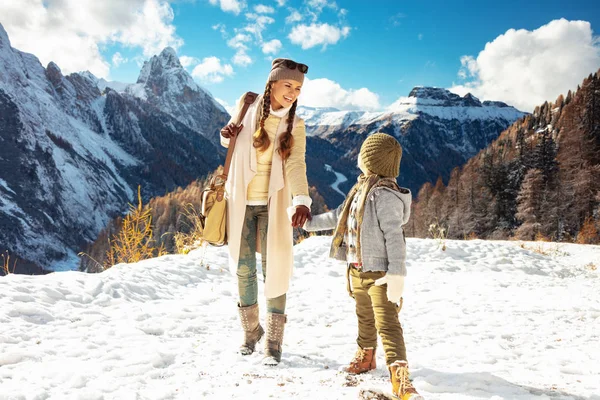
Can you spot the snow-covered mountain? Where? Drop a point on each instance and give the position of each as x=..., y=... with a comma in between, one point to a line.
x=72, y=156
x=165, y=84
x=438, y=130
x=482, y=320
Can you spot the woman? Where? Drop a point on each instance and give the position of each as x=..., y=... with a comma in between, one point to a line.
x=267, y=176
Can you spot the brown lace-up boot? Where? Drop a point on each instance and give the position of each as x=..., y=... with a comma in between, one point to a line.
x=363, y=361
x=401, y=385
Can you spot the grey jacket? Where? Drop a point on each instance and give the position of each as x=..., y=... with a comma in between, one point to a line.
x=383, y=247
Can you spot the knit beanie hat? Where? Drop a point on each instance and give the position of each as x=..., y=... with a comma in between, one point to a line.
x=280, y=70
x=381, y=154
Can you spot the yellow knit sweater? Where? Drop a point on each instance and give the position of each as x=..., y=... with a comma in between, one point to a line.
x=294, y=166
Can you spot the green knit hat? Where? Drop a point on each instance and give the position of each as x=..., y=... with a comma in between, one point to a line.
x=381, y=154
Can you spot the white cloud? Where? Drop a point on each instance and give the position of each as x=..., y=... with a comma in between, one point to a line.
x=318, y=5
x=233, y=6
x=230, y=108
x=314, y=8
x=221, y=28
x=317, y=34
x=280, y=3
x=212, y=71
x=71, y=32
x=469, y=67
x=239, y=41
x=243, y=39
x=420, y=36
x=323, y=92
x=271, y=47
x=242, y=59
x=187, y=61
x=262, y=9
x=139, y=60
x=525, y=68
x=294, y=16
x=259, y=24
x=117, y=59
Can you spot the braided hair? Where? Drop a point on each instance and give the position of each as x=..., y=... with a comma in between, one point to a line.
x=261, y=137
x=287, y=140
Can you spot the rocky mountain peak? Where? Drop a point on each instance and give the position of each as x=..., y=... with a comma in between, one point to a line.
x=442, y=97
x=4, y=40
x=89, y=76
x=53, y=73
x=157, y=65
x=433, y=93
x=168, y=58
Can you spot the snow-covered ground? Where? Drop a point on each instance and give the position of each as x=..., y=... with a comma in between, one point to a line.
x=482, y=320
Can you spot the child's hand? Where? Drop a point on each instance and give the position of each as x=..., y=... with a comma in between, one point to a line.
x=395, y=286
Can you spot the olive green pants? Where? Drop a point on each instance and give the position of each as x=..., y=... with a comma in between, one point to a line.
x=255, y=223
x=376, y=314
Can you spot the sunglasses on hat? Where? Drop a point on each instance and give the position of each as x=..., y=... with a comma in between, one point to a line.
x=293, y=65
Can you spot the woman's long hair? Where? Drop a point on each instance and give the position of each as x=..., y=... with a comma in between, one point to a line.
x=261, y=137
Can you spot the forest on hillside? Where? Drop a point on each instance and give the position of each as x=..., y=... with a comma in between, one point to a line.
x=539, y=180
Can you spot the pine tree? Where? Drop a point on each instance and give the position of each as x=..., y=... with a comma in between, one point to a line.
x=529, y=209
x=450, y=207
x=436, y=201
x=422, y=212
x=469, y=193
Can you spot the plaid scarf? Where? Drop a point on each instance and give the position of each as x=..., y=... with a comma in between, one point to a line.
x=366, y=183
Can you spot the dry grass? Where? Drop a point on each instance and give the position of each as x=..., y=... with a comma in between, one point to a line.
x=5, y=266
x=591, y=266
x=539, y=237
x=134, y=241
x=192, y=239
x=546, y=250
x=302, y=235
x=439, y=233
x=471, y=236
x=588, y=234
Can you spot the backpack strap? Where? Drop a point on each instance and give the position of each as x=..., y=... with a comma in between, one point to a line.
x=249, y=98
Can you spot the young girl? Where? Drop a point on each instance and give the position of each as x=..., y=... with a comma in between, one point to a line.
x=369, y=237
x=271, y=143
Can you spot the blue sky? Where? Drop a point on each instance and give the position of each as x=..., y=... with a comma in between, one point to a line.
x=384, y=48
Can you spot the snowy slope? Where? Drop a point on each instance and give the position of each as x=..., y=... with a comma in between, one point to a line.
x=432, y=102
x=482, y=320
x=58, y=174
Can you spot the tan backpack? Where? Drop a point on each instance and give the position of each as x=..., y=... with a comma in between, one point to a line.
x=214, y=204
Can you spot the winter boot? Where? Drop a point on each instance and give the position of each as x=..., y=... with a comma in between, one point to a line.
x=252, y=329
x=363, y=361
x=275, y=325
x=401, y=385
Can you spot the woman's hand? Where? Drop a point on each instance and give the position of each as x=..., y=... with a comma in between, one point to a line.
x=230, y=130
x=300, y=216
